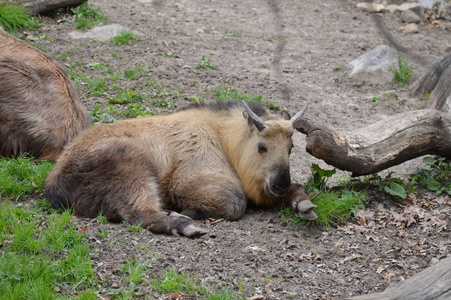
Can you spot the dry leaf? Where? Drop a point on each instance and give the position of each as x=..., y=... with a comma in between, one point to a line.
x=84, y=229
x=389, y=275
x=381, y=269
x=339, y=243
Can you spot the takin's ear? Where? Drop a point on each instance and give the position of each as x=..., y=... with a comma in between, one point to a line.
x=285, y=115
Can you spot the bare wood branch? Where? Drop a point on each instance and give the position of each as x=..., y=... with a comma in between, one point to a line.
x=427, y=82
x=36, y=7
x=381, y=145
x=433, y=283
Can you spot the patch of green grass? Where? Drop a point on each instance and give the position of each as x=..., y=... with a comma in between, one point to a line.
x=124, y=37
x=86, y=16
x=426, y=96
x=100, y=116
x=205, y=64
x=333, y=207
x=337, y=68
x=21, y=176
x=403, y=75
x=170, y=54
x=97, y=86
x=37, y=260
x=172, y=281
x=13, y=17
x=435, y=175
x=97, y=66
x=133, y=73
x=135, y=228
x=225, y=92
x=124, y=96
x=234, y=34
x=136, y=109
x=134, y=270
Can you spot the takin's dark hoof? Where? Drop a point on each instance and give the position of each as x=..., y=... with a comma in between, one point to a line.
x=307, y=210
x=310, y=216
x=192, y=231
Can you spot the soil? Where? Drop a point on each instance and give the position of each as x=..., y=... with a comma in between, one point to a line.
x=291, y=52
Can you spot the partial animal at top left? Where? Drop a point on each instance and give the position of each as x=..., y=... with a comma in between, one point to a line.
x=40, y=108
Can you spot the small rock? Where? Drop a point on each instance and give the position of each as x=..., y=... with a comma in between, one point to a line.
x=422, y=47
x=380, y=59
x=409, y=16
x=101, y=33
x=391, y=8
x=409, y=28
x=428, y=3
x=352, y=106
x=371, y=7
x=407, y=5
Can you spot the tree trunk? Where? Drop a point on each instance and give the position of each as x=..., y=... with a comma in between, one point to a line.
x=36, y=7
x=433, y=283
x=381, y=145
x=438, y=81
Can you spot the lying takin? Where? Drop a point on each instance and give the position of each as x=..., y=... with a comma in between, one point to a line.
x=40, y=109
x=206, y=160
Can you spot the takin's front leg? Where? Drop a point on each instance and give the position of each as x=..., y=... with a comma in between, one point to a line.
x=301, y=203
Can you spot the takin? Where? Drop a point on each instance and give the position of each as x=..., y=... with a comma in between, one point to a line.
x=40, y=108
x=205, y=160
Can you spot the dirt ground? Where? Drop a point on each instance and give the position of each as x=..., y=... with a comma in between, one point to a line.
x=291, y=52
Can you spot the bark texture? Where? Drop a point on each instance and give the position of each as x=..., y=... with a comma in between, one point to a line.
x=36, y=7
x=434, y=283
x=381, y=145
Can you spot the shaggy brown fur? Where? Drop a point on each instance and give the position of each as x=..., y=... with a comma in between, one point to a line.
x=40, y=109
x=202, y=161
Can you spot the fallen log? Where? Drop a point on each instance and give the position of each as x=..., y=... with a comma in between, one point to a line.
x=433, y=283
x=36, y=7
x=381, y=145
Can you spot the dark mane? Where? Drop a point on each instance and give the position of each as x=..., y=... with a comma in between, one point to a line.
x=219, y=105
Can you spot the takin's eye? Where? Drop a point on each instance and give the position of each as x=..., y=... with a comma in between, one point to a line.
x=262, y=148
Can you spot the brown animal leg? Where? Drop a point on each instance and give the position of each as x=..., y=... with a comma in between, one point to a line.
x=170, y=223
x=301, y=202
x=209, y=197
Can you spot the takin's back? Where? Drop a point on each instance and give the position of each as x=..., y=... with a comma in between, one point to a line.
x=40, y=108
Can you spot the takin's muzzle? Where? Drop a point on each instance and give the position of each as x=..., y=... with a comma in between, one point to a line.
x=279, y=183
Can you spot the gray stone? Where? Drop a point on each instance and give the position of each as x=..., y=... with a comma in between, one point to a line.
x=428, y=3
x=409, y=16
x=406, y=6
x=410, y=28
x=392, y=8
x=377, y=63
x=371, y=7
x=101, y=33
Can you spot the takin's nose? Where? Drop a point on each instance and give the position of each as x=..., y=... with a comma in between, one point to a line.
x=281, y=183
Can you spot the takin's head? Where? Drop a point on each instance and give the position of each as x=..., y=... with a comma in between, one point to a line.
x=267, y=154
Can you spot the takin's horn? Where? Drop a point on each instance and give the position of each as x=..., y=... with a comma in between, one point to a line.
x=259, y=123
x=299, y=114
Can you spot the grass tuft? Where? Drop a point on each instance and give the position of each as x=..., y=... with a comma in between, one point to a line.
x=13, y=17
x=21, y=176
x=86, y=17
x=402, y=77
x=225, y=92
x=334, y=207
x=124, y=37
